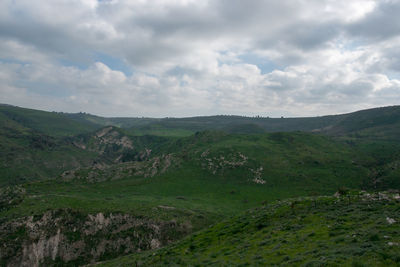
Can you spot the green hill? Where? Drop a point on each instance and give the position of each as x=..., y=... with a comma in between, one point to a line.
x=164, y=179
x=358, y=230
x=103, y=121
x=49, y=123
x=221, y=173
x=27, y=154
x=378, y=123
x=195, y=181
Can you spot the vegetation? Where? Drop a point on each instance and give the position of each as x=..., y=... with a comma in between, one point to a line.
x=358, y=230
x=49, y=123
x=182, y=175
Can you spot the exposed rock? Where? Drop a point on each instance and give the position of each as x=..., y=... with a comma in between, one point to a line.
x=257, y=175
x=390, y=220
x=101, y=172
x=107, y=142
x=220, y=163
x=11, y=196
x=69, y=236
x=155, y=243
x=103, y=131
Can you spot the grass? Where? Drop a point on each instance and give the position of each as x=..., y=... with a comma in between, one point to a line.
x=138, y=195
x=293, y=165
x=214, y=176
x=294, y=232
x=158, y=130
x=50, y=123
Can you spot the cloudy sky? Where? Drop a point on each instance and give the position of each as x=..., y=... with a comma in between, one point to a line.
x=200, y=57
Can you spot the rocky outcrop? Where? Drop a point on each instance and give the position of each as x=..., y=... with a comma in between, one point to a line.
x=257, y=175
x=218, y=163
x=222, y=162
x=110, y=136
x=67, y=236
x=101, y=172
x=109, y=142
x=11, y=196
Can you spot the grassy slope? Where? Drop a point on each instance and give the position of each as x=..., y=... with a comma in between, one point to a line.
x=296, y=232
x=32, y=145
x=49, y=123
x=158, y=130
x=367, y=119
x=294, y=164
x=118, y=122
x=381, y=123
x=376, y=124
x=26, y=165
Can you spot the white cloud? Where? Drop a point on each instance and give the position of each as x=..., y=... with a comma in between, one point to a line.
x=181, y=58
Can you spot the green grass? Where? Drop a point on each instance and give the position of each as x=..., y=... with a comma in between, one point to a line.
x=139, y=195
x=50, y=123
x=295, y=232
x=293, y=165
x=157, y=130
x=212, y=178
x=23, y=163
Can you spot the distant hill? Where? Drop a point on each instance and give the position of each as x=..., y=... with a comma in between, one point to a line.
x=50, y=123
x=103, y=121
x=143, y=183
x=37, y=144
x=377, y=123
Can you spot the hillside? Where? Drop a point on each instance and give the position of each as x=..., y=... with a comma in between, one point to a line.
x=118, y=122
x=218, y=172
x=27, y=154
x=355, y=230
x=202, y=179
x=377, y=123
x=165, y=179
x=49, y=123
x=374, y=124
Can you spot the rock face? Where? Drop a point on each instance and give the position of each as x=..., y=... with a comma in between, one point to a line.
x=68, y=236
x=11, y=196
x=108, y=143
x=219, y=163
x=110, y=136
x=103, y=172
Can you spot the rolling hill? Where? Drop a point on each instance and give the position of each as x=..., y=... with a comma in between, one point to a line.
x=378, y=123
x=49, y=123
x=354, y=230
x=157, y=181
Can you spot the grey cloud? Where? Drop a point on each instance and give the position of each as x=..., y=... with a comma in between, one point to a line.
x=311, y=35
x=380, y=24
x=186, y=57
x=391, y=58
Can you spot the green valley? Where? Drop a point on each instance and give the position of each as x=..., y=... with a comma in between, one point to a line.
x=78, y=188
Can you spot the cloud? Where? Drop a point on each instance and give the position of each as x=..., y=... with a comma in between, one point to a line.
x=187, y=57
x=381, y=23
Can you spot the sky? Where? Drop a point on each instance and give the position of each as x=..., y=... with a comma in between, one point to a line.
x=180, y=58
